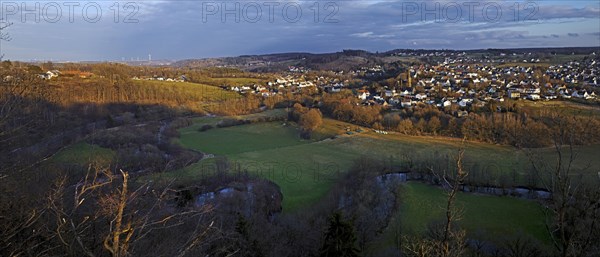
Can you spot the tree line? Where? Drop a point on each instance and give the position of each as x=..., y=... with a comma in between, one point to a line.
x=510, y=126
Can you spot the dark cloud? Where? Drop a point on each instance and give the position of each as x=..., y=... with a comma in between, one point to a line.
x=184, y=29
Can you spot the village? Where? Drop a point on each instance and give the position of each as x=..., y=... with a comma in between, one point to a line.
x=457, y=80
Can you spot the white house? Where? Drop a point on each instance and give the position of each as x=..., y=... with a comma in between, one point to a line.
x=464, y=102
x=420, y=96
x=577, y=94
x=406, y=103
x=446, y=103
x=362, y=96
x=533, y=97
x=305, y=84
x=50, y=74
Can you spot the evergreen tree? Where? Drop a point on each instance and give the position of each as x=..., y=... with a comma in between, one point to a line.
x=241, y=226
x=247, y=246
x=340, y=238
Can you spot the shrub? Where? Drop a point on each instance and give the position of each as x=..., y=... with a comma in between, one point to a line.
x=231, y=122
x=181, y=123
x=205, y=128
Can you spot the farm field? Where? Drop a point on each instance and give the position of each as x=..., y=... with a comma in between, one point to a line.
x=193, y=96
x=185, y=91
x=232, y=81
x=305, y=169
x=566, y=107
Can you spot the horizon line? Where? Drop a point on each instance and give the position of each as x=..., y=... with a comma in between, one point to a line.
x=294, y=52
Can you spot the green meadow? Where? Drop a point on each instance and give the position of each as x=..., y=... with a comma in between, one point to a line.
x=306, y=169
x=484, y=217
x=83, y=153
x=496, y=216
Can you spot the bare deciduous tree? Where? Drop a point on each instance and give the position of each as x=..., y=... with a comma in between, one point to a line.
x=132, y=215
x=3, y=35
x=574, y=209
x=444, y=239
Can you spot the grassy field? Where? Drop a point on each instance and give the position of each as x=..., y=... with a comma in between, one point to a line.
x=524, y=64
x=305, y=169
x=485, y=217
x=232, y=140
x=186, y=91
x=566, y=107
x=83, y=153
x=100, y=90
x=496, y=216
x=200, y=121
x=563, y=58
x=232, y=81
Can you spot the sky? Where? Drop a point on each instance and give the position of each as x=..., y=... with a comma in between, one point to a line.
x=175, y=30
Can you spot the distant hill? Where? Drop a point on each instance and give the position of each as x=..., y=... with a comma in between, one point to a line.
x=348, y=59
x=553, y=50
x=345, y=60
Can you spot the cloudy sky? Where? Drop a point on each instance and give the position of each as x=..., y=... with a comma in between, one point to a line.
x=117, y=30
